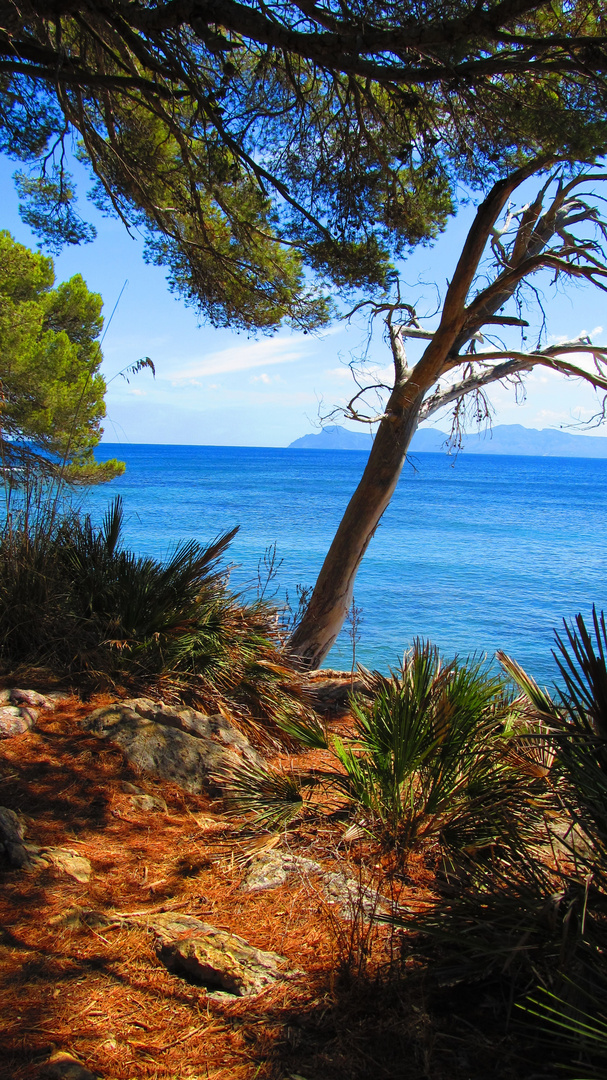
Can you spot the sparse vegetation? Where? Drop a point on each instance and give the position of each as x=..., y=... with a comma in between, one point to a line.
x=471, y=804
x=505, y=797
x=78, y=604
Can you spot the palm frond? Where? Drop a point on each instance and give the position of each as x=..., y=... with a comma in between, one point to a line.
x=539, y=698
x=582, y=663
x=310, y=733
x=273, y=798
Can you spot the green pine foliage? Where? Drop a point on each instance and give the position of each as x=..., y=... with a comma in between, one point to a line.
x=51, y=390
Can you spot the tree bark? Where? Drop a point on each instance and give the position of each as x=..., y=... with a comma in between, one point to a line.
x=332, y=596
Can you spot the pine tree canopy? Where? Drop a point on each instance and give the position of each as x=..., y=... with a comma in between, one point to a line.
x=51, y=392
x=274, y=151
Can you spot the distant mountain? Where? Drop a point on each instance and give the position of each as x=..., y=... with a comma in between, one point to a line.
x=334, y=438
x=339, y=438
x=504, y=439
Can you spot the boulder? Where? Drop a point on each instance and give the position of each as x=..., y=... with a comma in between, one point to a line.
x=223, y=962
x=184, y=746
x=16, y=721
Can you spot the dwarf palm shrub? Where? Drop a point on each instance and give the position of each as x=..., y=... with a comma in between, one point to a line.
x=575, y=1026
x=430, y=756
x=536, y=918
x=76, y=602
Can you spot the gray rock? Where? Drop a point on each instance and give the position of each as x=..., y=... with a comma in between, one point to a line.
x=351, y=897
x=217, y=959
x=67, y=861
x=180, y=745
x=12, y=836
x=272, y=868
x=16, y=721
x=195, y=723
x=12, y=829
x=148, y=803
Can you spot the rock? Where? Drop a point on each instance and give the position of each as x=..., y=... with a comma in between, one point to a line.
x=148, y=802
x=272, y=868
x=62, y=1066
x=12, y=836
x=217, y=959
x=180, y=745
x=67, y=861
x=75, y=917
x=16, y=721
x=352, y=897
x=130, y=789
x=194, y=723
x=19, y=710
x=330, y=690
x=30, y=697
x=22, y=856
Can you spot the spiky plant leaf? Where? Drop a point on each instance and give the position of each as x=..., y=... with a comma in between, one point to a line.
x=311, y=733
x=272, y=797
x=575, y=1026
x=539, y=698
x=582, y=663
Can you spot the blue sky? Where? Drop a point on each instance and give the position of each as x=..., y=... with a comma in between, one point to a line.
x=222, y=388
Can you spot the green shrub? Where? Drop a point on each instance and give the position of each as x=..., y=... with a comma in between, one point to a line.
x=431, y=757
x=535, y=919
x=75, y=602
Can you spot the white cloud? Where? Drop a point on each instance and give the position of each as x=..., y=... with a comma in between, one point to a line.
x=338, y=373
x=243, y=357
x=263, y=378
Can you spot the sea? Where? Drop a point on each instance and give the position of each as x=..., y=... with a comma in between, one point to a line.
x=474, y=553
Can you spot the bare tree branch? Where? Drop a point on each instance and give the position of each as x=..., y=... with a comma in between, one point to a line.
x=515, y=362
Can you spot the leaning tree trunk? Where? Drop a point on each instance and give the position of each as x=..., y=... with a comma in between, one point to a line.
x=332, y=594
x=323, y=619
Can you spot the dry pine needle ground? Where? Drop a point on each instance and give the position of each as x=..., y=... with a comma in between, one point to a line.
x=103, y=996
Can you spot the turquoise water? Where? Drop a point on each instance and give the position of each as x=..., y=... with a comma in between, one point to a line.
x=475, y=553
